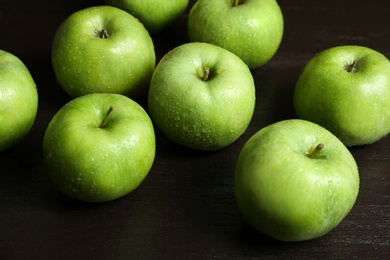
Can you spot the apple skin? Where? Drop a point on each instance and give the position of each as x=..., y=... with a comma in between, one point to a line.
x=155, y=15
x=196, y=113
x=85, y=63
x=92, y=163
x=18, y=100
x=355, y=106
x=253, y=30
x=287, y=195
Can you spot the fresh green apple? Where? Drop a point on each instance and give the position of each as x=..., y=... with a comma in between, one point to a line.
x=99, y=147
x=103, y=49
x=252, y=29
x=201, y=96
x=18, y=100
x=155, y=15
x=295, y=180
x=346, y=89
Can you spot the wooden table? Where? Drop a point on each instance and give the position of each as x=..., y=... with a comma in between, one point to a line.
x=185, y=208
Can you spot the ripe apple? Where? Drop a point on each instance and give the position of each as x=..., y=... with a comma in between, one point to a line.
x=155, y=15
x=103, y=49
x=18, y=100
x=99, y=147
x=201, y=96
x=295, y=180
x=346, y=89
x=252, y=29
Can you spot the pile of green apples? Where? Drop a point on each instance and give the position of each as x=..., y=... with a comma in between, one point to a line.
x=101, y=145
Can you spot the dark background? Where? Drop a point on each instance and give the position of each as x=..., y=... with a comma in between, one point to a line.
x=185, y=208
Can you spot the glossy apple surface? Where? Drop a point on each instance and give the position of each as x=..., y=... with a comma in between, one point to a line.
x=295, y=181
x=99, y=147
x=201, y=96
x=155, y=15
x=18, y=100
x=252, y=29
x=103, y=49
x=346, y=89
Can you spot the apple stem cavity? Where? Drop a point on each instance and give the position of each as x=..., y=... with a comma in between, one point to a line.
x=314, y=150
x=204, y=74
x=236, y=2
x=104, y=122
x=102, y=34
x=351, y=67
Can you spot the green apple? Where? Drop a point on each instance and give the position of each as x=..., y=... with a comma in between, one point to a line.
x=103, y=49
x=201, y=96
x=294, y=180
x=155, y=15
x=252, y=29
x=346, y=89
x=18, y=100
x=99, y=147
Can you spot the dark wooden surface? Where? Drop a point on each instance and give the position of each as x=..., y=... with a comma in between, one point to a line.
x=185, y=208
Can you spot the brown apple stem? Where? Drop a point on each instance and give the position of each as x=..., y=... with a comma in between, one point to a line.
x=103, y=34
x=314, y=150
x=236, y=2
x=204, y=73
x=351, y=67
x=104, y=122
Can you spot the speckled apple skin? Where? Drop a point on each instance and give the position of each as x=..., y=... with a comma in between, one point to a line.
x=98, y=164
x=287, y=195
x=202, y=115
x=355, y=106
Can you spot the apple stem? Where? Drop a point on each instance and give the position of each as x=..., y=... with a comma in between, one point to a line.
x=351, y=67
x=204, y=74
x=104, y=122
x=103, y=34
x=314, y=150
x=236, y=2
